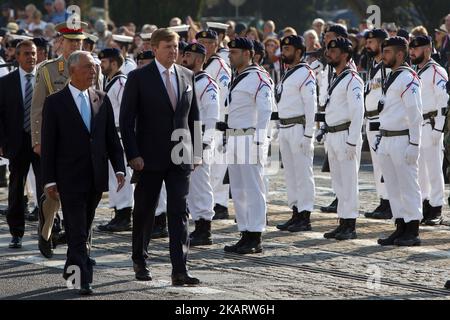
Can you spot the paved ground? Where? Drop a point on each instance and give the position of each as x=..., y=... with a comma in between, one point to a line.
x=293, y=266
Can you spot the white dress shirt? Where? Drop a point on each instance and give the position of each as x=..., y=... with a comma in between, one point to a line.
x=76, y=96
x=23, y=80
x=173, y=76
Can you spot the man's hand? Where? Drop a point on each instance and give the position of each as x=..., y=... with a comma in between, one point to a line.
x=1, y=152
x=37, y=149
x=120, y=181
x=137, y=164
x=53, y=193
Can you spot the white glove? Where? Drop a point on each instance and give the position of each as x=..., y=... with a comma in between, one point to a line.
x=412, y=155
x=350, y=152
x=436, y=137
x=307, y=146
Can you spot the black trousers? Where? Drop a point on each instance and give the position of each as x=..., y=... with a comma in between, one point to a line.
x=79, y=212
x=146, y=196
x=19, y=167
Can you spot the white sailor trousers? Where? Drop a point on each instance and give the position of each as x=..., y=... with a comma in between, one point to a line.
x=344, y=174
x=247, y=183
x=401, y=179
x=378, y=175
x=124, y=198
x=431, y=177
x=201, y=197
x=218, y=170
x=298, y=169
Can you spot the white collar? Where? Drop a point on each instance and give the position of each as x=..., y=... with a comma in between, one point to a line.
x=76, y=92
x=23, y=73
x=162, y=69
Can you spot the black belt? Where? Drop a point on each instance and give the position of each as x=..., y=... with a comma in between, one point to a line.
x=222, y=126
x=374, y=126
x=430, y=115
x=339, y=128
x=388, y=133
x=296, y=120
x=371, y=114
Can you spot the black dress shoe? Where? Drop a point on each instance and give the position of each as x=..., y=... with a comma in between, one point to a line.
x=85, y=290
x=447, y=285
x=59, y=239
x=142, y=273
x=45, y=247
x=33, y=216
x=181, y=279
x=16, y=243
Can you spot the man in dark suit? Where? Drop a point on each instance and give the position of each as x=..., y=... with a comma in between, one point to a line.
x=16, y=91
x=159, y=99
x=78, y=138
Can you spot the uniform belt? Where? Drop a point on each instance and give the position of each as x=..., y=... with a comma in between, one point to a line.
x=241, y=132
x=222, y=126
x=296, y=120
x=339, y=128
x=430, y=115
x=371, y=114
x=388, y=133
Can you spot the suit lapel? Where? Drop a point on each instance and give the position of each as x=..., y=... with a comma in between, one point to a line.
x=181, y=84
x=95, y=107
x=72, y=106
x=162, y=87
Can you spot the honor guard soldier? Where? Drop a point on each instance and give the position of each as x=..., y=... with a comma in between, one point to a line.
x=218, y=69
x=376, y=78
x=124, y=43
x=89, y=46
x=297, y=105
x=434, y=102
x=42, y=50
x=52, y=76
x=182, y=31
x=401, y=123
x=333, y=32
x=201, y=198
x=250, y=107
x=344, y=113
x=122, y=201
x=146, y=41
x=221, y=29
x=144, y=58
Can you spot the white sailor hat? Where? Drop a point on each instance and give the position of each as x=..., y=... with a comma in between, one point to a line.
x=122, y=39
x=179, y=29
x=91, y=38
x=217, y=25
x=20, y=37
x=146, y=36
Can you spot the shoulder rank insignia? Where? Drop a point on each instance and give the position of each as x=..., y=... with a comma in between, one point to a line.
x=61, y=66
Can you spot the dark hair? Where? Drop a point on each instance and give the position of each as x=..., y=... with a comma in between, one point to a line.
x=118, y=59
x=25, y=43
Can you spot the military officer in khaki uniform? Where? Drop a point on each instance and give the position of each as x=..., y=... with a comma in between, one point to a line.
x=52, y=76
